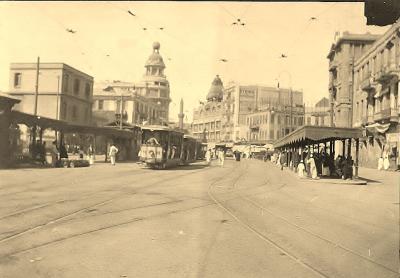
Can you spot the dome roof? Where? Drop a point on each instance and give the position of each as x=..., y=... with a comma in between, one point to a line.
x=155, y=58
x=216, y=90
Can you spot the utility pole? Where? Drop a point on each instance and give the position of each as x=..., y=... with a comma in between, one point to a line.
x=120, y=115
x=36, y=102
x=291, y=109
x=36, y=86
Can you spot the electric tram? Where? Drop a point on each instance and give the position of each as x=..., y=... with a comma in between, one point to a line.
x=162, y=147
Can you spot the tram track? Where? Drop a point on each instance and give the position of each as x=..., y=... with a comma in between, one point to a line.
x=273, y=242
x=262, y=236
x=107, y=201
x=332, y=243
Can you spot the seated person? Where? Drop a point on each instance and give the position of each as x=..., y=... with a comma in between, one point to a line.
x=152, y=141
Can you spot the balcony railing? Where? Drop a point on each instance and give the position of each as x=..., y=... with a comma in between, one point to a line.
x=367, y=82
x=382, y=115
x=387, y=72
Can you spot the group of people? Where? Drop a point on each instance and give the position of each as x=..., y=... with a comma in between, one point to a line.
x=219, y=153
x=315, y=164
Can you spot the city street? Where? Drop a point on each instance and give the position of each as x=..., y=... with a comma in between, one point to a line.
x=246, y=219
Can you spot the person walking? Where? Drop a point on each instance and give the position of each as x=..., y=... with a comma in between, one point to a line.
x=208, y=157
x=113, y=153
x=221, y=157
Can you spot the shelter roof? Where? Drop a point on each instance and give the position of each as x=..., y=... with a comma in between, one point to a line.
x=314, y=134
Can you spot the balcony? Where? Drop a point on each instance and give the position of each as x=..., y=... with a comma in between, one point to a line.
x=367, y=83
x=389, y=113
x=386, y=73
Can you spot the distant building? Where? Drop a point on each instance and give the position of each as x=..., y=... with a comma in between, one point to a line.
x=318, y=115
x=224, y=117
x=342, y=56
x=144, y=102
x=64, y=93
x=376, y=104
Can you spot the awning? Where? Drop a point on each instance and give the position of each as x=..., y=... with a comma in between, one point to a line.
x=18, y=117
x=318, y=134
x=377, y=128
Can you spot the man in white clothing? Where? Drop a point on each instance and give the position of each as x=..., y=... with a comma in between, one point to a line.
x=113, y=153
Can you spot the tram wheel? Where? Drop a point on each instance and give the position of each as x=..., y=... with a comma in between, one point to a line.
x=164, y=166
x=72, y=165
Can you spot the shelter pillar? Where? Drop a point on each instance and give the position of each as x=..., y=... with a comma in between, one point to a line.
x=356, y=161
x=344, y=148
x=349, y=148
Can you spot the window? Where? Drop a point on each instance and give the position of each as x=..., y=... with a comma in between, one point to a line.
x=63, y=111
x=212, y=125
x=77, y=86
x=87, y=90
x=271, y=134
x=17, y=79
x=308, y=120
x=218, y=124
x=74, y=112
x=66, y=82
x=316, y=121
x=100, y=104
x=272, y=119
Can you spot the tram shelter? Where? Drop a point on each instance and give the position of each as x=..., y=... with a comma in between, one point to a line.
x=37, y=125
x=313, y=137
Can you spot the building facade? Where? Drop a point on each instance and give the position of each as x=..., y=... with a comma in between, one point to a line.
x=144, y=102
x=64, y=93
x=376, y=98
x=224, y=117
x=318, y=115
x=272, y=122
x=342, y=56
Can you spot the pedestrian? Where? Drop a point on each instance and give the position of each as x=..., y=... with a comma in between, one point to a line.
x=54, y=154
x=380, y=163
x=208, y=157
x=313, y=167
x=221, y=157
x=386, y=162
x=300, y=169
x=113, y=153
x=237, y=155
x=90, y=154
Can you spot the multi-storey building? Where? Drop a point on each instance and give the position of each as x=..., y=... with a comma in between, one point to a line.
x=145, y=101
x=272, y=122
x=376, y=104
x=342, y=55
x=318, y=115
x=224, y=116
x=64, y=93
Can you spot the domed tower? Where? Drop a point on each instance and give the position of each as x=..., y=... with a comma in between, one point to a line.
x=157, y=85
x=216, y=91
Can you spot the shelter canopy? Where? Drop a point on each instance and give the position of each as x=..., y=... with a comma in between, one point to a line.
x=31, y=120
x=317, y=134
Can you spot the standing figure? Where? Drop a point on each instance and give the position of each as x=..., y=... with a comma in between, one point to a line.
x=313, y=167
x=237, y=155
x=300, y=169
x=380, y=163
x=113, y=153
x=90, y=154
x=386, y=162
x=54, y=154
x=221, y=157
x=325, y=164
x=208, y=157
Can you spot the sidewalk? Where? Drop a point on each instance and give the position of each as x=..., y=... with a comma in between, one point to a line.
x=366, y=176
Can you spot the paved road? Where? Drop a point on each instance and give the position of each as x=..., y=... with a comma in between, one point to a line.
x=247, y=219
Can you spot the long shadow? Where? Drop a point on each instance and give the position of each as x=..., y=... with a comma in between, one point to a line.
x=369, y=180
x=187, y=167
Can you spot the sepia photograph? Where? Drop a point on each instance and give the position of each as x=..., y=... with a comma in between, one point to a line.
x=200, y=139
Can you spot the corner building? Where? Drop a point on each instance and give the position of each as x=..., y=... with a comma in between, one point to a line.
x=146, y=101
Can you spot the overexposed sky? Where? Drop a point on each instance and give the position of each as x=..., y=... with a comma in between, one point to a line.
x=194, y=38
